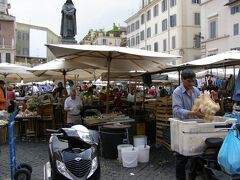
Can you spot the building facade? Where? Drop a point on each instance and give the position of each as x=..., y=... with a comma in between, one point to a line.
x=7, y=34
x=114, y=37
x=220, y=26
x=170, y=26
x=30, y=44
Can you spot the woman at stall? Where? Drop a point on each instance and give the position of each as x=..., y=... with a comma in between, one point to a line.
x=3, y=101
x=11, y=99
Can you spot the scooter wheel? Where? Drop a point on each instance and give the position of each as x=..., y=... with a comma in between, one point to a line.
x=26, y=166
x=22, y=174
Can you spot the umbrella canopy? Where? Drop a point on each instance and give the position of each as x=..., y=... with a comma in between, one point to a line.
x=15, y=73
x=113, y=58
x=122, y=59
x=226, y=58
x=69, y=69
x=229, y=58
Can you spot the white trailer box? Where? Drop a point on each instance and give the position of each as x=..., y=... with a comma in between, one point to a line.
x=188, y=136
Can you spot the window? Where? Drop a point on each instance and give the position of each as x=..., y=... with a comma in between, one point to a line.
x=213, y=30
x=104, y=42
x=173, y=3
x=164, y=45
x=142, y=19
x=164, y=25
x=173, y=20
x=132, y=27
x=132, y=41
x=137, y=24
x=149, y=34
x=149, y=15
x=235, y=29
x=235, y=9
x=149, y=47
x=142, y=35
x=19, y=35
x=197, y=41
x=155, y=10
x=156, y=46
x=8, y=57
x=128, y=43
x=156, y=28
x=128, y=29
x=137, y=39
x=173, y=42
x=196, y=1
x=25, y=51
x=164, y=5
x=197, y=18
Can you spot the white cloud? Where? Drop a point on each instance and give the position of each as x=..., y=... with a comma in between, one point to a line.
x=91, y=14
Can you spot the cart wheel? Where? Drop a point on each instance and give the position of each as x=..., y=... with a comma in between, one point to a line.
x=26, y=166
x=22, y=174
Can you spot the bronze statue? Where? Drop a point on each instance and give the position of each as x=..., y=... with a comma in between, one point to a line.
x=68, y=24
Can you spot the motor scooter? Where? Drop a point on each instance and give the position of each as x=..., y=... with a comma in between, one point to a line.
x=205, y=166
x=72, y=155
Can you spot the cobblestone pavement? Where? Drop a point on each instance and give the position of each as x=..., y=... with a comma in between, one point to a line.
x=160, y=167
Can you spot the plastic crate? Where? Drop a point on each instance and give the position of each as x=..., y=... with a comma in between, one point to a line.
x=188, y=136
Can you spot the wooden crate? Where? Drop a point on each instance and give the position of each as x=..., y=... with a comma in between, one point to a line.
x=3, y=134
x=163, y=113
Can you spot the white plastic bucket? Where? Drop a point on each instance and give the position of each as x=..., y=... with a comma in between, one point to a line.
x=143, y=153
x=139, y=140
x=119, y=148
x=130, y=157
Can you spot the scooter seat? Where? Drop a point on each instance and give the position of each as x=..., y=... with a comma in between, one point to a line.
x=214, y=142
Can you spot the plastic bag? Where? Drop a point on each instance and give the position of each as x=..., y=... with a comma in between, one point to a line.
x=229, y=154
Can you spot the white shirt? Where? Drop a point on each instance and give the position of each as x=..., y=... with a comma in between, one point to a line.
x=130, y=98
x=73, y=104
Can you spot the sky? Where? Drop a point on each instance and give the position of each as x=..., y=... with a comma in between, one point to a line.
x=91, y=14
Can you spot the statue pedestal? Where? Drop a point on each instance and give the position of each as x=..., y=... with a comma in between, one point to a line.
x=68, y=41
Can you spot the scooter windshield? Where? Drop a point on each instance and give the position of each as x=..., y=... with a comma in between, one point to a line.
x=84, y=134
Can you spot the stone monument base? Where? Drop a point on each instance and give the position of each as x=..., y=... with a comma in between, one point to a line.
x=68, y=41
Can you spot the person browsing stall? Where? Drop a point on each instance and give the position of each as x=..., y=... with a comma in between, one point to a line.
x=73, y=106
x=3, y=101
x=183, y=99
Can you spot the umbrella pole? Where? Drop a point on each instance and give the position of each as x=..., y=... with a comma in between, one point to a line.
x=179, y=78
x=135, y=97
x=64, y=78
x=108, y=82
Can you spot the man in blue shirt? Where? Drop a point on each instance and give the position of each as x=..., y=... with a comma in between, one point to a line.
x=183, y=99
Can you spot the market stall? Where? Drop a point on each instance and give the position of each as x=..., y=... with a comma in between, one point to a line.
x=113, y=58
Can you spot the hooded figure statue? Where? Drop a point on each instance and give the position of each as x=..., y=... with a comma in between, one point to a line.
x=68, y=24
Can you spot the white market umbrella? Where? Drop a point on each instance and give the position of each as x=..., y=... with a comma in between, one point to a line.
x=221, y=59
x=113, y=58
x=69, y=69
x=15, y=73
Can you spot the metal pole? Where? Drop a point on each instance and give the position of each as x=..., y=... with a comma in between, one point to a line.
x=64, y=78
x=234, y=76
x=179, y=78
x=108, y=82
x=135, y=96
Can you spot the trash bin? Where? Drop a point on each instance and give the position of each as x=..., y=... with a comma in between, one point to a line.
x=110, y=139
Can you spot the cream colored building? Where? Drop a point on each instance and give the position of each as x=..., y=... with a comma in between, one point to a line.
x=113, y=37
x=220, y=26
x=171, y=26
